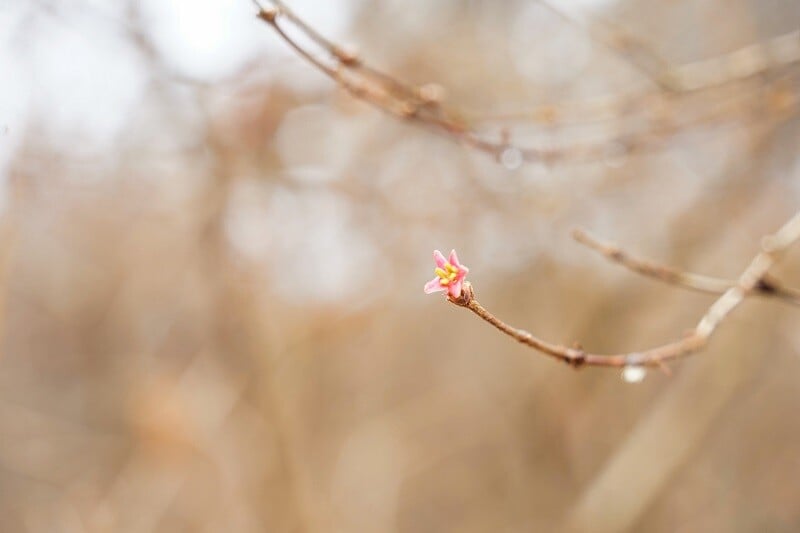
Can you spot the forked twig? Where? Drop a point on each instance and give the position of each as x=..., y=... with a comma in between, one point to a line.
x=423, y=104
x=767, y=286
x=739, y=65
x=772, y=247
x=629, y=48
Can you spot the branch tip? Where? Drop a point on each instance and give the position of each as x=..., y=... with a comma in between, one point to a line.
x=268, y=14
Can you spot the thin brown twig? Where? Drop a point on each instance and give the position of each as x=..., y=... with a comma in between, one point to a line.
x=738, y=65
x=768, y=286
x=423, y=104
x=630, y=49
x=772, y=247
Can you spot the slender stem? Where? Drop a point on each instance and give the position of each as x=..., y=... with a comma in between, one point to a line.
x=411, y=102
x=576, y=356
x=767, y=286
x=751, y=278
x=630, y=49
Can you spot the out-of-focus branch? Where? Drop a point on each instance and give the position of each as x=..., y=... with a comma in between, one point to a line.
x=772, y=247
x=767, y=286
x=630, y=49
x=423, y=104
x=738, y=65
x=745, y=63
x=419, y=104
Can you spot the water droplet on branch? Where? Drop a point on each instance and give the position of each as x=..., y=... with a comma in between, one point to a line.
x=634, y=374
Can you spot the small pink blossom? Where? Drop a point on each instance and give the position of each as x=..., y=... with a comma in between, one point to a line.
x=450, y=275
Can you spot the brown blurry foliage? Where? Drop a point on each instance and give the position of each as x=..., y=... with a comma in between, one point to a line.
x=216, y=322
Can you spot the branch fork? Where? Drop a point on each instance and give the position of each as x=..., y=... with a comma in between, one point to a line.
x=753, y=279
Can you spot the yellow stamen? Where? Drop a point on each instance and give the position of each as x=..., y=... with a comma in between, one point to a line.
x=452, y=276
x=451, y=268
x=440, y=272
x=444, y=282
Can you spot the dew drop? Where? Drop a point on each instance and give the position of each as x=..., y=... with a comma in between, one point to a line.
x=511, y=158
x=633, y=374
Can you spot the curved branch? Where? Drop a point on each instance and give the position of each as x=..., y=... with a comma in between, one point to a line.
x=576, y=356
x=773, y=247
x=423, y=104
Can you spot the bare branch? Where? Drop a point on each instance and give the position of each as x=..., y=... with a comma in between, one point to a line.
x=697, y=282
x=773, y=247
x=661, y=109
x=741, y=64
x=629, y=48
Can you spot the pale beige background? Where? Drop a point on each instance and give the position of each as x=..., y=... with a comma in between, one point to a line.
x=212, y=263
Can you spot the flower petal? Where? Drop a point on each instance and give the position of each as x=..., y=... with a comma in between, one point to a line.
x=455, y=288
x=454, y=259
x=439, y=258
x=434, y=285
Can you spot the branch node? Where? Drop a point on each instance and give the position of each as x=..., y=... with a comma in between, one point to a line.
x=407, y=110
x=431, y=93
x=346, y=57
x=576, y=357
x=466, y=297
x=666, y=370
x=766, y=285
x=268, y=14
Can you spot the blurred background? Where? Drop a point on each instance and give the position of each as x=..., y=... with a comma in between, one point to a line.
x=213, y=259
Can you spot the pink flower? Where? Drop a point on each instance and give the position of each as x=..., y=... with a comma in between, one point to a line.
x=450, y=275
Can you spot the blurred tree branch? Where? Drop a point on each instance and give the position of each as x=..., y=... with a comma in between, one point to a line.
x=767, y=286
x=754, y=81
